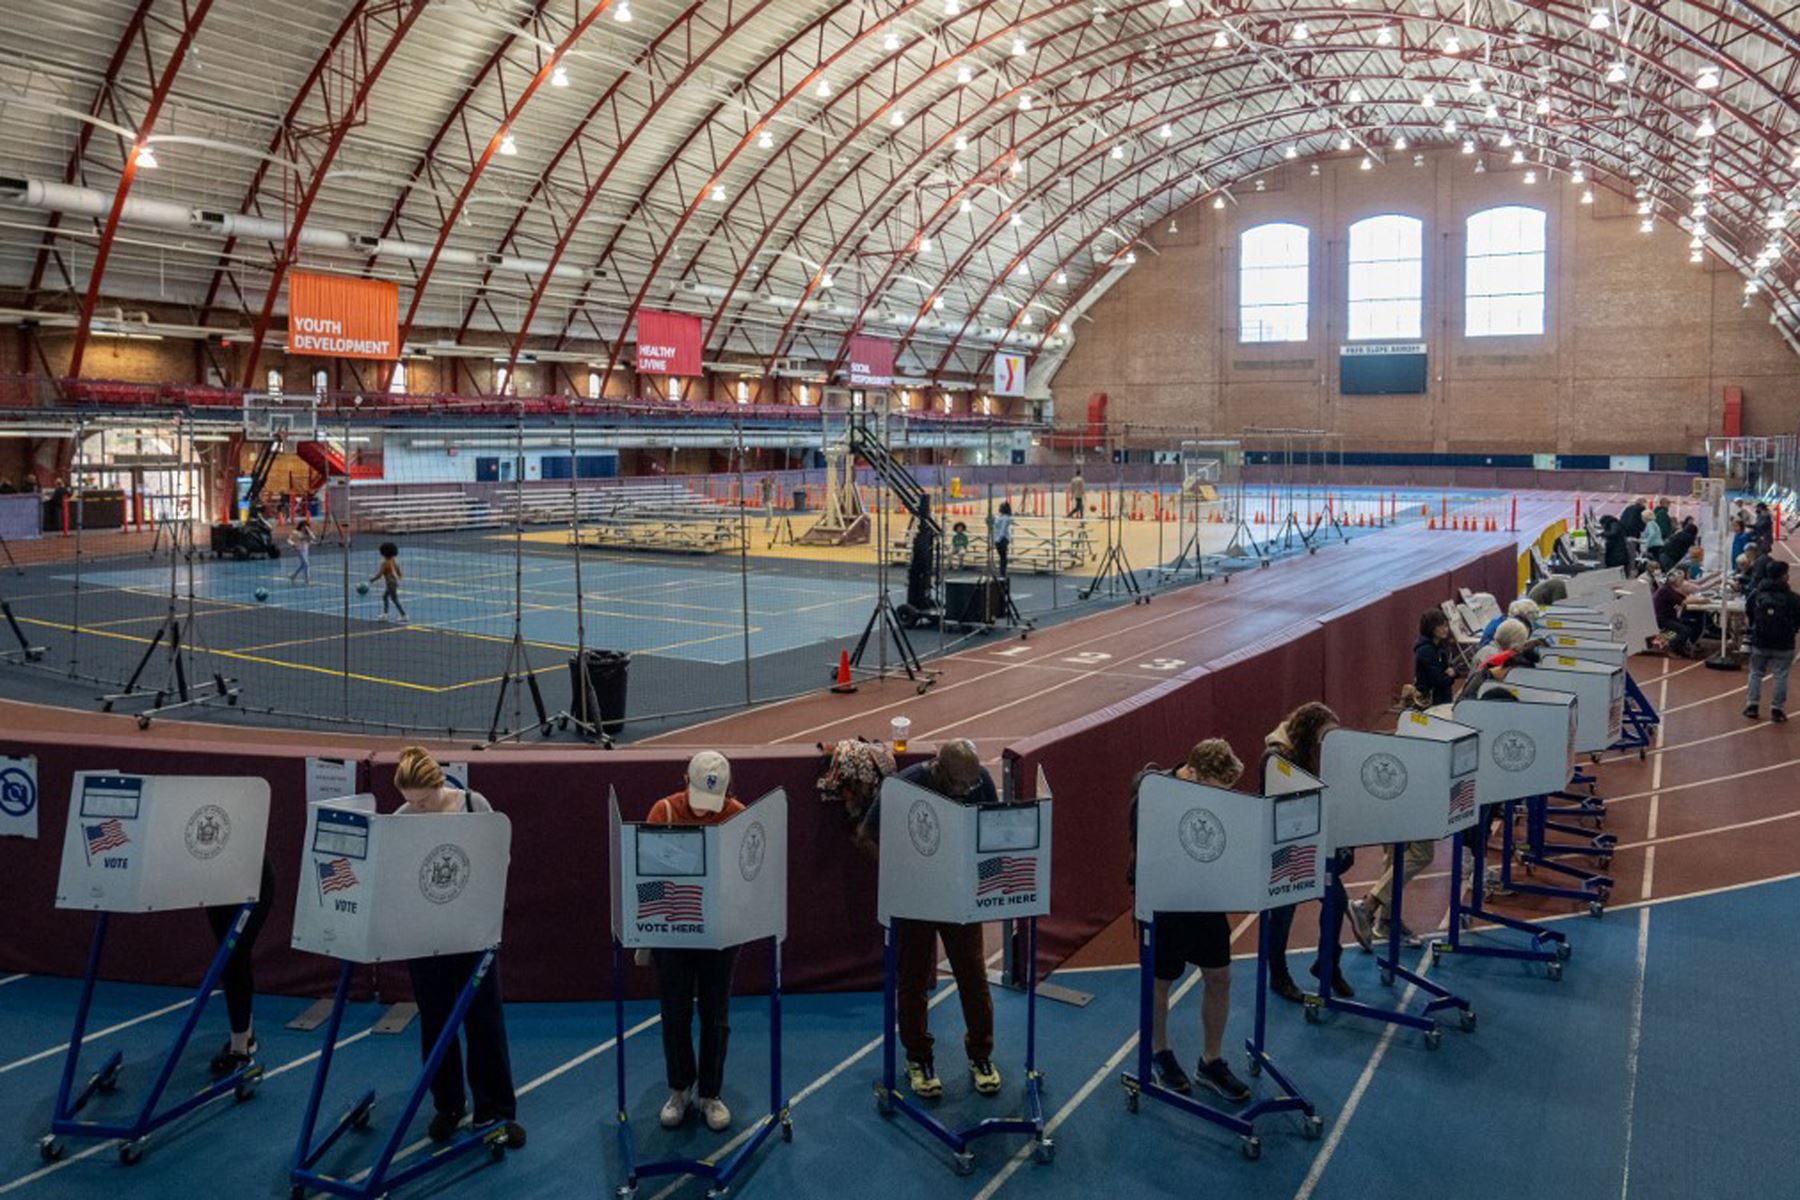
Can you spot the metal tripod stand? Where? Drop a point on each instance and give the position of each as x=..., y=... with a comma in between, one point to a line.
x=517, y=673
x=180, y=633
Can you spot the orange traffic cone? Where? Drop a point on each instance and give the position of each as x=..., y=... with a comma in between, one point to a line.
x=1431, y=524
x=844, y=685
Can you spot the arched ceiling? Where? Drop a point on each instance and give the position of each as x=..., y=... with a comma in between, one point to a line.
x=954, y=174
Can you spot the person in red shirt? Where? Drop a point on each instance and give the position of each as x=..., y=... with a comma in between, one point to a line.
x=686, y=975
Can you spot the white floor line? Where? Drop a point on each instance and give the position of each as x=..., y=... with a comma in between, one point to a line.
x=97, y=1034
x=1637, y=1038
x=13, y=979
x=1786, y=765
x=1651, y=844
x=1736, y=691
x=101, y=1146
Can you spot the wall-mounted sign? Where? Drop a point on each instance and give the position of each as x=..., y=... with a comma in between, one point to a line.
x=871, y=362
x=343, y=318
x=1009, y=374
x=668, y=344
x=1381, y=368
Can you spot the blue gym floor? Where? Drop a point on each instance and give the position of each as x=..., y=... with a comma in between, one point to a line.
x=1658, y=1067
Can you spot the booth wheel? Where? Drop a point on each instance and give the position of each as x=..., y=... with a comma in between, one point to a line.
x=1314, y=1128
x=1387, y=977
x=1253, y=1064
x=1044, y=1150
x=626, y=1191
x=246, y=1087
x=1554, y=970
x=108, y=1080
x=1131, y=1098
x=1311, y=1008
x=965, y=1163
x=143, y=721
x=131, y=1152
x=1563, y=950
x=1252, y=1147
x=51, y=1148
x=1596, y=908
x=1468, y=1020
x=359, y=1116
x=787, y=1130
x=1434, y=1038
x=884, y=1103
x=1437, y=953
x=717, y=1193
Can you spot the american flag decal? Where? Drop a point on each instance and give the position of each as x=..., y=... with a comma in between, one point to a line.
x=336, y=875
x=1005, y=874
x=107, y=835
x=1292, y=864
x=1462, y=798
x=673, y=901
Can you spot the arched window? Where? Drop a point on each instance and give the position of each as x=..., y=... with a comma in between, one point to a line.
x=502, y=377
x=1387, y=277
x=743, y=390
x=1503, y=288
x=273, y=379
x=1272, y=283
x=397, y=384
x=593, y=385
x=321, y=381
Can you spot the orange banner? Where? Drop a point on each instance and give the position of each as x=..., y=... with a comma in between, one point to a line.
x=335, y=317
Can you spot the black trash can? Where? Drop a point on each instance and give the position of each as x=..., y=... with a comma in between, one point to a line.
x=608, y=672
x=799, y=499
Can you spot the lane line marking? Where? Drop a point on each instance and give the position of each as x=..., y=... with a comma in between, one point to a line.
x=1636, y=1045
x=53, y=1051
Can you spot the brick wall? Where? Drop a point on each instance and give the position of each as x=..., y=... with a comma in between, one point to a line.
x=1639, y=343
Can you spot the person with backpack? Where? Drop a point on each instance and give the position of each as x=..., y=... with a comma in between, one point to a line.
x=1774, y=613
x=1200, y=938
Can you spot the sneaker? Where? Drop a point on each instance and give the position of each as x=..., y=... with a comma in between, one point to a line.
x=1282, y=984
x=922, y=1078
x=987, y=1076
x=1778, y=715
x=228, y=1060
x=1407, y=936
x=674, y=1109
x=718, y=1117
x=1169, y=1073
x=1217, y=1076
x=1362, y=921
x=443, y=1125
x=1750, y=711
x=1494, y=883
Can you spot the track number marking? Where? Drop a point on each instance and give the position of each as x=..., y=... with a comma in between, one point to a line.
x=1088, y=658
x=1163, y=664
x=1012, y=653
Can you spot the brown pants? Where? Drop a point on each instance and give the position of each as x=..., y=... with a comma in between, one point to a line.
x=916, y=975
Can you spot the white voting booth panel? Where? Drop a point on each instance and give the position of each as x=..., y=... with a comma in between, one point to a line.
x=701, y=887
x=960, y=864
x=1382, y=787
x=1586, y=586
x=1599, y=628
x=1206, y=849
x=146, y=843
x=1611, y=654
x=376, y=887
x=1599, y=692
x=1528, y=746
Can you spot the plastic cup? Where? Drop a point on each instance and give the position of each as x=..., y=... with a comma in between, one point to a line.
x=898, y=728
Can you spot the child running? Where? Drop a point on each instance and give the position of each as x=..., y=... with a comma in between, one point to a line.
x=389, y=575
x=301, y=540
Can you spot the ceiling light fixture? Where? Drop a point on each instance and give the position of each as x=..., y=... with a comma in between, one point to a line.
x=559, y=77
x=1449, y=124
x=1221, y=40
x=1290, y=153
x=1131, y=258
x=145, y=158
x=1118, y=152
x=1428, y=100
x=897, y=118
x=1367, y=165
x=1219, y=200
x=1647, y=225
x=718, y=193
x=1506, y=141
x=1344, y=142
x=964, y=75
x=1708, y=79
x=1531, y=177
x=1587, y=197
x=924, y=243
x=1018, y=46
x=1543, y=105
x=622, y=14
x=1599, y=20
x=1706, y=128
x=1453, y=45
x=962, y=143
x=1025, y=102
x=1384, y=36
x=824, y=88
x=891, y=42
x=1062, y=277
x=1166, y=132
x=1300, y=32
x=765, y=141
x=1616, y=73
x=825, y=279
x=1356, y=94
x=1468, y=148
x=507, y=145
x=1400, y=141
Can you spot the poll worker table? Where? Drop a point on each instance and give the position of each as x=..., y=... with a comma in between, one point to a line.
x=1390, y=789
x=1527, y=749
x=954, y=863
x=1206, y=849
x=377, y=888
x=701, y=887
x=143, y=844
x=1600, y=692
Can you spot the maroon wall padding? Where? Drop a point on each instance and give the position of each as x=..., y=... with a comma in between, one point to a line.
x=557, y=940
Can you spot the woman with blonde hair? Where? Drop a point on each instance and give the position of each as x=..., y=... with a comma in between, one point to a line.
x=436, y=982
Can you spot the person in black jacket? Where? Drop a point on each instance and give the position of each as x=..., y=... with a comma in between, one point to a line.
x=1762, y=529
x=1680, y=542
x=1434, y=674
x=1632, y=519
x=1616, y=550
x=1774, y=613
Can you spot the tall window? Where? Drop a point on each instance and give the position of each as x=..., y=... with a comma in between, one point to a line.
x=320, y=382
x=1387, y=277
x=397, y=381
x=502, y=377
x=593, y=385
x=273, y=380
x=1503, y=292
x=1272, y=281
x=674, y=390
x=743, y=392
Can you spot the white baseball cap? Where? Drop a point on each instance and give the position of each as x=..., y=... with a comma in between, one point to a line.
x=709, y=778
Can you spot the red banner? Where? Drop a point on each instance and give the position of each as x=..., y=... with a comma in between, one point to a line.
x=668, y=344
x=335, y=317
x=871, y=362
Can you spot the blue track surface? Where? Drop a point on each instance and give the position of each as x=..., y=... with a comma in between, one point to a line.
x=1553, y=1096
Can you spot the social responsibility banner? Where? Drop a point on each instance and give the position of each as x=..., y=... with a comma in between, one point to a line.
x=336, y=317
x=668, y=344
x=871, y=362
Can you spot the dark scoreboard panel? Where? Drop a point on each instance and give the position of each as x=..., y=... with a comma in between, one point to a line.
x=1382, y=369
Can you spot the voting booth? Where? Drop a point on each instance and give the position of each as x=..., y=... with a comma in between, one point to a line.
x=700, y=887
x=1599, y=691
x=1209, y=849
x=376, y=887
x=1608, y=653
x=154, y=843
x=1390, y=789
x=959, y=863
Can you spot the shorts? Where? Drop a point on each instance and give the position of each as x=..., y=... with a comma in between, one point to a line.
x=1200, y=938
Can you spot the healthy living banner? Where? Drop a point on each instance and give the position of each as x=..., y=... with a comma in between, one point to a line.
x=668, y=344
x=336, y=317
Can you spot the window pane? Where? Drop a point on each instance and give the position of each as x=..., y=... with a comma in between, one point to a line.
x=1386, y=319
x=1273, y=279
x=1386, y=281
x=1504, y=272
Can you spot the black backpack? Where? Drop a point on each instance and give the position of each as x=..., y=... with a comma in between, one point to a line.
x=1772, y=617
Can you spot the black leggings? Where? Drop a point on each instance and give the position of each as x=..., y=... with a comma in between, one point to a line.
x=1281, y=920
x=239, y=984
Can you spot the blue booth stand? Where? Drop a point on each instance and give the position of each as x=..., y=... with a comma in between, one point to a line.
x=701, y=887
x=1207, y=849
x=139, y=844
x=376, y=888
x=955, y=863
x=1391, y=789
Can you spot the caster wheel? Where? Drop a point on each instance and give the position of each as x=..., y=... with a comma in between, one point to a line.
x=496, y=1150
x=787, y=1130
x=1437, y=955
x=296, y=1193
x=965, y=1163
x=1044, y=1151
x=1314, y=1127
x=1131, y=1101
x=106, y=707
x=1595, y=908
x=246, y=1087
x=922, y=687
x=627, y=1191
x=1468, y=1020
x=143, y=722
x=360, y=1118
x=1434, y=1038
x=1253, y=1065
x=1563, y=950
x=884, y=1106
x=1252, y=1148
x=108, y=1080
x=1467, y=921
x=1554, y=970
x=1387, y=977
x=51, y=1148
x=130, y=1153
x=1311, y=1009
